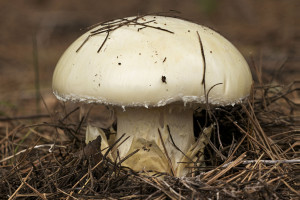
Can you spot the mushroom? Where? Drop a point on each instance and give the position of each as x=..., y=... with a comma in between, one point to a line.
x=154, y=71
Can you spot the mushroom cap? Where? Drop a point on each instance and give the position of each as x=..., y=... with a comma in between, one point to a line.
x=151, y=61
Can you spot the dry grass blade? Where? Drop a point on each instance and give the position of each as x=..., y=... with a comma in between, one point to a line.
x=29, y=149
x=81, y=179
x=292, y=189
x=110, y=26
x=35, y=191
x=230, y=166
x=22, y=184
x=166, y=153
x=161, y=186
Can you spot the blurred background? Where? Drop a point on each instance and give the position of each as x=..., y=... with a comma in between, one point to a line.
x=35, y=33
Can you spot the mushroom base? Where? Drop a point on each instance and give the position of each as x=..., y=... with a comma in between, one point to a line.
x=158, y=134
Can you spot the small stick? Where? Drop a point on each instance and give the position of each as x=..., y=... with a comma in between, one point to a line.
x=176, y=145
x=295, y=191
x=34, y=190
x=230, y=166
x=82, y=178
x=103, y=42
x=30, y=148
x=20, y=187
x=128, y=156
x=203, y=58
x=165, y=149
x=267, y=162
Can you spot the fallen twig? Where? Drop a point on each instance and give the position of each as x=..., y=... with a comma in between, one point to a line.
x=267, y=162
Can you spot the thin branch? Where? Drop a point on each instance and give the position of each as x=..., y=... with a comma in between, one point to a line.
x=176, y=147
x=22, y=184
x=267, y=162
x=110, y=26
x=103, y=42
x=35, y=147
x=204, y=60
x=166, y=152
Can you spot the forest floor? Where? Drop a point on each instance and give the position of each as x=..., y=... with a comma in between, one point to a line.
x=42, y=139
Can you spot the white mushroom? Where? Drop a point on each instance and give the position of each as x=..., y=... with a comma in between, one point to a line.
x=151, y=70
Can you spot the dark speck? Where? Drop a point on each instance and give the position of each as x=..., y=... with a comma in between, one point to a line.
x=119, y=63
x=99, y=84
x=164, y=79
x=189, y=31
x=210, y=51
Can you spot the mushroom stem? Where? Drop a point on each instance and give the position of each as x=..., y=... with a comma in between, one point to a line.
x=155, y=153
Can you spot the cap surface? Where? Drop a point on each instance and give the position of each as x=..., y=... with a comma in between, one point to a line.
x=151, y=61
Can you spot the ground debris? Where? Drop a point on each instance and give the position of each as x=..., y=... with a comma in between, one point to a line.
x=252, y=155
